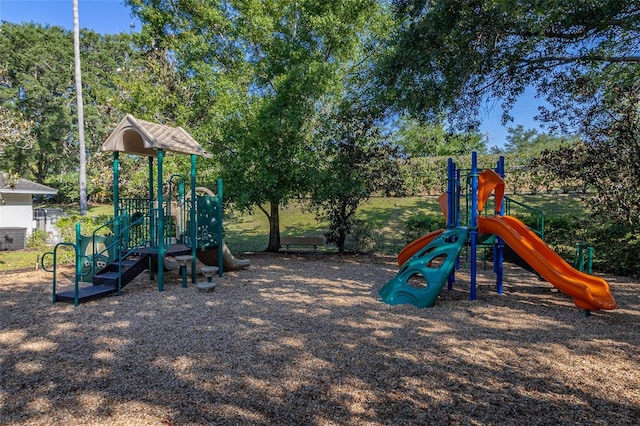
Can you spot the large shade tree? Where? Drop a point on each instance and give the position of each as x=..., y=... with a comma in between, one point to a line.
x=15, y=135
x=453, y=55
x=581, y=56
x=40, y=138
x=262, y=68
x=36, y=83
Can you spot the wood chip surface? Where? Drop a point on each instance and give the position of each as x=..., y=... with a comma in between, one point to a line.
x=303, y=340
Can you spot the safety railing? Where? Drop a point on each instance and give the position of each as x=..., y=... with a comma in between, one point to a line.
x=513, y=208
x=138, y=210
x=77, y=275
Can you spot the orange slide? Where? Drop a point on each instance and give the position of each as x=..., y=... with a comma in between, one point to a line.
x=588, y=292
x=413, y=247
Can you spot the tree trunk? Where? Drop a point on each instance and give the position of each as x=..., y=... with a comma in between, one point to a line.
x=343, y=227
x=274, y=228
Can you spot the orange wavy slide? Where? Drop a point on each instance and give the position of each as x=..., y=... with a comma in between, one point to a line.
x=588, y=292
x=415, y=246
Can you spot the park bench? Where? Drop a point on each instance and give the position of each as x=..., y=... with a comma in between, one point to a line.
x=301, y=244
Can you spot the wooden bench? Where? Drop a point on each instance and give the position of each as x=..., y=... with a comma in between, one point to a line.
x=301, y=244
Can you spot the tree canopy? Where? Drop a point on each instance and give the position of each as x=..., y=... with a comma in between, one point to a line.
x=37, y=83
x=531, y=142
x=262, y=70
x=420, y=139
x=451, y=55
x=39, y=138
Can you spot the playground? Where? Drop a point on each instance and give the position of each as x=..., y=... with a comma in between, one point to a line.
x=304, y=340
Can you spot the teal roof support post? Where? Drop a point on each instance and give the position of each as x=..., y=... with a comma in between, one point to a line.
x=160, y=226
x=192, y=218
x=116, y=178
x=152, y=219
x=151, y=196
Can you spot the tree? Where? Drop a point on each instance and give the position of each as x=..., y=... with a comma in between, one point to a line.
x=37, y=96
x=356, y=163
x=431, y=140
x=451, y=55
x=531, y=142
x=262, y=69
x=15, y=134
x=607, y=162
x=37, y=84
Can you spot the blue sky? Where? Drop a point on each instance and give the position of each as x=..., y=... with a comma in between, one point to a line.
x=102, y=16
x=111, y=16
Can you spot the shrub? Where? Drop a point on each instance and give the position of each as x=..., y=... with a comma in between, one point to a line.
x=421, y=223
x=67, y=226
x=363, y=238
x=562, y=233
x=617, y=248
x=38, y=239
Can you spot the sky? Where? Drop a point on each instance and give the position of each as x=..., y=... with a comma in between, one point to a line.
x=112, y=17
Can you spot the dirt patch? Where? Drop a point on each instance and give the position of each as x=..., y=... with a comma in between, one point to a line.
x=304, y=340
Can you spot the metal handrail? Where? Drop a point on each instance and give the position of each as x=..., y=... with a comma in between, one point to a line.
x=539, y=229
x=77, y=274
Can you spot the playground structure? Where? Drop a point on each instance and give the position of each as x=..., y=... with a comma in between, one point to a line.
x=434, y=257
x=147, y=233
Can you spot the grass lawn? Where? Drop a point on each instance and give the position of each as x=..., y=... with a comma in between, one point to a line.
x=250, y=232
x=19, y=259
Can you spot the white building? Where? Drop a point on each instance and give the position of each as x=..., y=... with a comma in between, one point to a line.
x=16, y=210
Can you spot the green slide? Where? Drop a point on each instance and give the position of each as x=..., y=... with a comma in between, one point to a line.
x=433, y=263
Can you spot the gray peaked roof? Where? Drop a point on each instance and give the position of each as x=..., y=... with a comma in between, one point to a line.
x=139, y=137
x=23, y=186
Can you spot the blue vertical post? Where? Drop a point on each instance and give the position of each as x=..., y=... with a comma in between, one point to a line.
x=160, y=233
x=451, y=210
x=457, y=205
x=192, y=219
x=473, y=225
x=457, y=198
x=499, y=247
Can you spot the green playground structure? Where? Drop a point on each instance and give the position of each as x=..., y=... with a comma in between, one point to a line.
x=144, y=231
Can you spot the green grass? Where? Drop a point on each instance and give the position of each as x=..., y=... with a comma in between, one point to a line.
x=100, y=210
x=553, y=205
x=250, y=232
x=19, y=259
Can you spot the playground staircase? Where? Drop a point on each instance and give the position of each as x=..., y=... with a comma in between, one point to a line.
x=130, y=268
x=105, y=282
